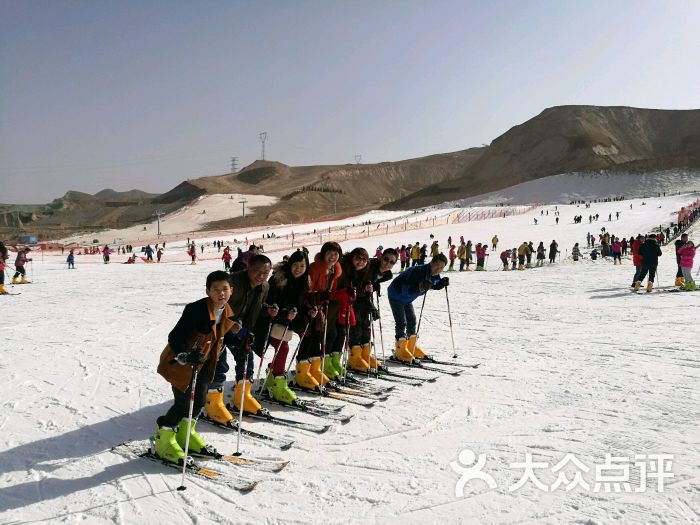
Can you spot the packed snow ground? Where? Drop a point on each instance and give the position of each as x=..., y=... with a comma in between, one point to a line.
x=571, y=363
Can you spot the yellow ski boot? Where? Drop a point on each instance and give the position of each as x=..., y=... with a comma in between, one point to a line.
x=250, y=404
x=215, y=407
x=320, y=377
x=356, y=361
x=414, y=348
x=401, y=352
x=374, y=363
x=303, y=377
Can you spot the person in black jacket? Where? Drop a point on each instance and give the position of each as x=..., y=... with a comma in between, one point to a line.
x=650, y=252
x=289, y=286
x=361, y=358
x=248, y=298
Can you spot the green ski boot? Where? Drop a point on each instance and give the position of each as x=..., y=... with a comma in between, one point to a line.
x=165, y=445
x=197, y=445
x=329, y=369
x=337, y=360
x=690, y=286
x=281, y=392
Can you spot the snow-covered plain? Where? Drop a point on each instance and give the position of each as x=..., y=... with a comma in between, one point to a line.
x=571, y=363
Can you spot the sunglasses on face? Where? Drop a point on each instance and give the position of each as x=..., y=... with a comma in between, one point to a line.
x=389, y=260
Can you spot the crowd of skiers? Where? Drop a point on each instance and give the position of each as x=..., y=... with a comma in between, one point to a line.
x=330, y=303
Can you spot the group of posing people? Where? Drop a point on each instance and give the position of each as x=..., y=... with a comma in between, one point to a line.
x=328, y=303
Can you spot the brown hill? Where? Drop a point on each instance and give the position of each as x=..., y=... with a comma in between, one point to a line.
x=570, y=139
x=310, y=192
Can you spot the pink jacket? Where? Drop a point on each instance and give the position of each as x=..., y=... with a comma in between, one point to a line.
x=687, y=254
x=617, y=247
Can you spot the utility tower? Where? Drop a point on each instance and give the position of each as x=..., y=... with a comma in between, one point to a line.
x=243, y=201
x=358, y=159
x=234, y=164
x=158, y=214
x=263, y=137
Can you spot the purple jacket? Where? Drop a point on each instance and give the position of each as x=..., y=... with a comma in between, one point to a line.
x=687, y=254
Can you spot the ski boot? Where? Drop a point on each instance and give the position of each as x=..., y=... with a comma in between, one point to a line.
x=680, y=281
x=650, y=285
x=24, y=280
x=374, y=363
x=690, y=286
x=2, y=290
x=165, y=445
x=337, y=360
x=197, y=444
x=250, y=404
x=320, y=377
x=637, y=285
x=356, y=360
x=15, y=280
x=414, y=348
x=215, y=407
x=401, y=352
x=303, y=377
x=280, y=391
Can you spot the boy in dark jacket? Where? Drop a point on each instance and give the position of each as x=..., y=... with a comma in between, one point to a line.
x=196, y=342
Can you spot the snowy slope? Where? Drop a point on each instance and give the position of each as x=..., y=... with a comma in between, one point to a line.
x=571, y=363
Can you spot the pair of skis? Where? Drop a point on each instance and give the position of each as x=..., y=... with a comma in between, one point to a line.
x=197, y=468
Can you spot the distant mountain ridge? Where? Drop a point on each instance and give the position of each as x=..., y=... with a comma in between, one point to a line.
x=561, y=140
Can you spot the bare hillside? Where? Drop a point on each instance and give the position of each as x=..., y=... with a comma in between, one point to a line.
x=569, y=139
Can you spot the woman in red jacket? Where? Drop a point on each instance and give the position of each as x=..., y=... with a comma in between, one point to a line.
x=324, y=273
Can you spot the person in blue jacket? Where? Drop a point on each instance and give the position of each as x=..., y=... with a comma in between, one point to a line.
x=405, y=289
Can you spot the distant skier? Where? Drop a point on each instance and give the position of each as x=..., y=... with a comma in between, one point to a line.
x=617, y=251
x=159, y=254
x=105, y=254
x=3, y=257
x=650, y=252
x=680, y=280
x=505, y=255
x=226, y=257
x=453, y=256
x=20, y=261
x=481, y=255
x=687, y=255
x=553, y=250
x=540, y=254
x=494, y=243
x=149, y=253
x=70, y=260
x=575, y=252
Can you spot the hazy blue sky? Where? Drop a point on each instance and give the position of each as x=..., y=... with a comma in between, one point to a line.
x=133, y=94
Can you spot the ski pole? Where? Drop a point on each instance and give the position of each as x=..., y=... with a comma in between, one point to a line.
x=279, y=345
x=240, y=414
x=323, y=345
x=381, y=332
x=296, y=351
x=265, y=345
x=346, y=344
x=449, y=316
x=195, y=372
x=420, y=317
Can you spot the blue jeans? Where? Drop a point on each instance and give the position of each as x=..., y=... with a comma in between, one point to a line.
x=222, y=367
x=404, y=317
